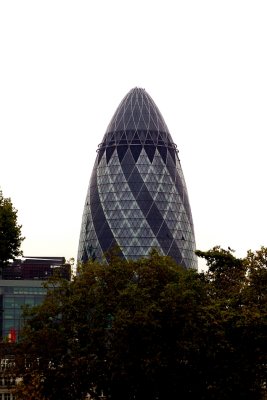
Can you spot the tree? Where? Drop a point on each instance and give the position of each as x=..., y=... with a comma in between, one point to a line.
x=10, y=232
x=145, y=329
x=29, y=388
x=239, y=288
x=255, y=304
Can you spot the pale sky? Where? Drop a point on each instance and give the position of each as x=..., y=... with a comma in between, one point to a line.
x=66, y=65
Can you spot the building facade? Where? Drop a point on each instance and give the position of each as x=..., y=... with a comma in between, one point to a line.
x=137, y=197
x=22, y=284
x=7, y=378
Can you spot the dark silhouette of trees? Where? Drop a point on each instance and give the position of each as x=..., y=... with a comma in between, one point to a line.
x=10, y=232
x=150, y=329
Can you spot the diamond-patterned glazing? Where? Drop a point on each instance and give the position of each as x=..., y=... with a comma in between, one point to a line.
x=137, y=197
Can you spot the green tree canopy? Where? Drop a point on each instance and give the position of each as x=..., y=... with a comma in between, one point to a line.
x=10, y=231
x=149, y=329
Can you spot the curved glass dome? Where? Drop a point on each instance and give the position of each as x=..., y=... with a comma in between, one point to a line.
x=137, y=197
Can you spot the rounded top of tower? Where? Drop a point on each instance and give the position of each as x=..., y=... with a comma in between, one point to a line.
x=137, y=111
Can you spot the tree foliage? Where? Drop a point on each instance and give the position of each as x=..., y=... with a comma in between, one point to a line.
x=10, y=231
x=238, y=288
x=150, y=329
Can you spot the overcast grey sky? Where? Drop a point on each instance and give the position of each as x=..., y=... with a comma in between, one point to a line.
x=66, y=65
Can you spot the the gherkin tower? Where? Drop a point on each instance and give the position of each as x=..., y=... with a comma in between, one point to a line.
x=137, y=197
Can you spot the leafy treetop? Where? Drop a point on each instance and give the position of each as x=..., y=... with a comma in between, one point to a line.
x=10, y=231
x=150, y=329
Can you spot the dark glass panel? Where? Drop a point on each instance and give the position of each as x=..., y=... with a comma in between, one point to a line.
x=154, y=223
x=135, y=187
x=160, y=140
x=117, y=135
x=128, y=158
x=136, y=150
x=144, y=206
x=175, y=253
x=163, y=152
x=134, y=141
x=135, y=176
x=165, y=247
x=142, y=135
x=129, y=135
x=121, y=150
x=99, y=219
x=164, y=233
x=154, y=218
x=94, y=198
x=150, y=151
x=122, y=141
x=135, y=180
x=127, y=169
x=105, y=236
x=134, y=137
x=99, y=222
x=144, y=195
x=148, y=136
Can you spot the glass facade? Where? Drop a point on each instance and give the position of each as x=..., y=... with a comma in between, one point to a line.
x=13, y=296
x=22, y=284
x=137, y=197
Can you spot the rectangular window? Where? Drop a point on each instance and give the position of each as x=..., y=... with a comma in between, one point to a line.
x=29, y=301
x=9, y=302
x=9, y=314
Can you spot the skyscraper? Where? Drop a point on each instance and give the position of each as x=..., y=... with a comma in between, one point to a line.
x=137, y=197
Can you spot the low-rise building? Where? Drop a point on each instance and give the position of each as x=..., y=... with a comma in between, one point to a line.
x=22, y=284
